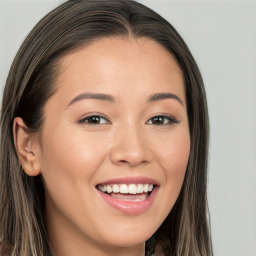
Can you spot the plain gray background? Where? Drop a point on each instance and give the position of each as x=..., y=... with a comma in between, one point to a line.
x=222, y=38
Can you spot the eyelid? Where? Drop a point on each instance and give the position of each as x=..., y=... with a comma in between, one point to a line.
x=171, y=118
x=90, y=115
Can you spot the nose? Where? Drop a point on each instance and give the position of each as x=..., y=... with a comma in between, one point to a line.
x=130, y=147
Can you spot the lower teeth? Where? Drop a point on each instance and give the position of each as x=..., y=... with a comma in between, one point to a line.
x=129, y=197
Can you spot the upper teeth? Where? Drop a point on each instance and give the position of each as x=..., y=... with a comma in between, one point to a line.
x=126, y=188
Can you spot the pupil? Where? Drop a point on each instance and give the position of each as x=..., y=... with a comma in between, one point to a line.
x=158, y=120
x=94, y=119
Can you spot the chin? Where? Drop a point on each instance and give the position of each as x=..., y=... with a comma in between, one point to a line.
x=128, y=238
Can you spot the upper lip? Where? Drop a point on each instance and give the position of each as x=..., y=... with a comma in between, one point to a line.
x=130, y=180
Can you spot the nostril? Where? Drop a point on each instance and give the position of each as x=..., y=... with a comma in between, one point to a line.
x=130, y=153
x=132, y=163
x=123, y=161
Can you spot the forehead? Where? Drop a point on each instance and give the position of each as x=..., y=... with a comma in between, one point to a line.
x=105, y=50
x=112, y=64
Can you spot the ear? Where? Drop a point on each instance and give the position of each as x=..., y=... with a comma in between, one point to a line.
x=26, y=144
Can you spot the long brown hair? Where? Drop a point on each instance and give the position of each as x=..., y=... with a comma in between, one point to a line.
x=30, y=83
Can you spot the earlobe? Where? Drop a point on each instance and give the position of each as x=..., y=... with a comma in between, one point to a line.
x=25, y=148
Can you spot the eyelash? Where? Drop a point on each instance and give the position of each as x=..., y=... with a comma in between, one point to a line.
x=170, y=120
x=94, y=118
x=97, y=120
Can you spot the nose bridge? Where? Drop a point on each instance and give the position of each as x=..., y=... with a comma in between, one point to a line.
x=130, y=145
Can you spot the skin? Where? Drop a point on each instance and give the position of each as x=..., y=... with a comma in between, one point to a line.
x=73, y=157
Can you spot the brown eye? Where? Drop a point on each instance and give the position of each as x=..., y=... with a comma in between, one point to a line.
x=162, y=120
x=94, y=120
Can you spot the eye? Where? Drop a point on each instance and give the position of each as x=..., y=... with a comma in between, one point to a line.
x=94, y=120
x=162, y=120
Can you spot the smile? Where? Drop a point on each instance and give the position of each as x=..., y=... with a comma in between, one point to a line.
x=130, y=198
x=128, y=192
x=126, y=188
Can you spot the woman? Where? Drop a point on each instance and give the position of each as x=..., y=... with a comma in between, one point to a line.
x=104, y=137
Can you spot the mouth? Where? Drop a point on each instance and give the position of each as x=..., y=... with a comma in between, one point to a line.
x=129, y=195
x=127, y=192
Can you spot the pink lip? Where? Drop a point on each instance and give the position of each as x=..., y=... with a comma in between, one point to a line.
x=130, y=207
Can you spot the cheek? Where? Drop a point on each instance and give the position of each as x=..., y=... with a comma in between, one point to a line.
x=69, y=164
x=72, y=155
x=173, y=160
x=173, y=153
x=176, y=159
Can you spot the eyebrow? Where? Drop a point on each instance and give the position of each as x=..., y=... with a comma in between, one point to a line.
x=111, y=99
x=163, y=96
x=95, y=96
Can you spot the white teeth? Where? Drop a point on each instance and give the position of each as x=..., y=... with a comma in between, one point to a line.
x=109, y=189
x=116, y=188
x=101, y=188
x=140, y=188
x=132, y=189
x=146, y=188
x=126, y=189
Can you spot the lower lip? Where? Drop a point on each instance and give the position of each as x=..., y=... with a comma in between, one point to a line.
x=130, y=207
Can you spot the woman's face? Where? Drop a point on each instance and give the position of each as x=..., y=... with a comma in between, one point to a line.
x=117, y=122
